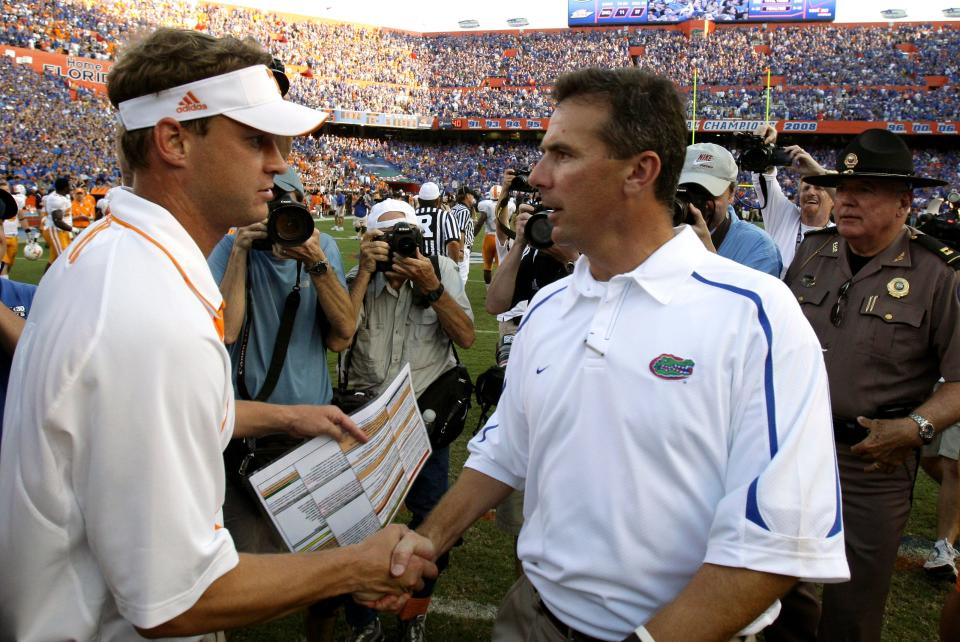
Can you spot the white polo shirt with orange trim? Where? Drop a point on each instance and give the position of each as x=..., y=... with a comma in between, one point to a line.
x=111, y=476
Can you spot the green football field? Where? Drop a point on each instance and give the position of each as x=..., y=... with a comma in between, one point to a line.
x=481, y=570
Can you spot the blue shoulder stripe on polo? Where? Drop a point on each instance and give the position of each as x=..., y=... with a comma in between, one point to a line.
x=768, y=362
x=483, y=435
x=838, y=520
x=753, y=508
x=526, y=315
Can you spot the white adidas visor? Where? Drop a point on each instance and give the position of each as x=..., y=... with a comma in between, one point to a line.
x=249, y=96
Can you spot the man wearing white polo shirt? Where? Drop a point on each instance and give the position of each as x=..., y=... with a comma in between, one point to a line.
x=678, y=472
x=111, y=477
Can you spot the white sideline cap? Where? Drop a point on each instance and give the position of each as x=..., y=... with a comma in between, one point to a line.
x=388, y=206
x=249, y=96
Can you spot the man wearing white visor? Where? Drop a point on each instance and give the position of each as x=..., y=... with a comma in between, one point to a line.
x=406, y=313
x=112, y=482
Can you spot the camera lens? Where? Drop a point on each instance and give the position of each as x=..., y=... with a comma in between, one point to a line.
x=407, y=246
x=539, y=231
x=289, y=224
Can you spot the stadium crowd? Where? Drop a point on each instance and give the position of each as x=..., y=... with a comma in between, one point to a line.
x=371, y=69
x=53, y=130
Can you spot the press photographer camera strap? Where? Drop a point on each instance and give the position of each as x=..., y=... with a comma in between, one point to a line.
x=280, y=345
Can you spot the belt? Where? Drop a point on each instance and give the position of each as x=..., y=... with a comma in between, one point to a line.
x=567, y=632
x=848, y=431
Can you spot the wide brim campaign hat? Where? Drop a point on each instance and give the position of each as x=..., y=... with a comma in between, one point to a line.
x=8, y=205
x=250, y=96
x=876, y=153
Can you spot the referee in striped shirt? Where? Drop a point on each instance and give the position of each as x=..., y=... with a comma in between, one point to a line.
x=430, y=214
x=457, y=230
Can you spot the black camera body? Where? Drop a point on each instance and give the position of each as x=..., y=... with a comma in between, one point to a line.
x=689, y=194
x=288, y=223
x=521, y=182
x=945, y=224
x=757, y=156
x=404, y=239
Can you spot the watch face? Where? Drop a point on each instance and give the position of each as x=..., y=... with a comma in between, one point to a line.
x=927, y=432
x=317, y=268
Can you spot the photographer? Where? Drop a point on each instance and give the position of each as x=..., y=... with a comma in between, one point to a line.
x=257, y=282
x=522, y=272
x=787, y=223
x=710, y=178
x=405, y=314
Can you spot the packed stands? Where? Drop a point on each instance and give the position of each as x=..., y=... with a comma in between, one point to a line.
x=826, y=72
x=49, y=130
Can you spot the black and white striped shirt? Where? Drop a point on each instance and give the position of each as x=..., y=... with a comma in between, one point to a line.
x=460, y=224
x=430, y=226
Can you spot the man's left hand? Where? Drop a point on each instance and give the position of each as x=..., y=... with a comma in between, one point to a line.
x=308, y=252
x=418, y=269
x=309, y=421
x=889, y=443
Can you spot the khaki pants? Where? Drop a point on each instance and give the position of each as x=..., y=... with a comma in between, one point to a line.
x=522, y=619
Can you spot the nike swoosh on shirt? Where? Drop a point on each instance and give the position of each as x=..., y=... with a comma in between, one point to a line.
x=539, y=370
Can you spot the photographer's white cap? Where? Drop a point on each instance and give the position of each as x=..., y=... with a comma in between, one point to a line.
x=249, y=96
x=389, y=206
x=429, y=192
x=710, y=166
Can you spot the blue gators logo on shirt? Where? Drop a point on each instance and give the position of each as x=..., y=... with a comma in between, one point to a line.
x=670, y=366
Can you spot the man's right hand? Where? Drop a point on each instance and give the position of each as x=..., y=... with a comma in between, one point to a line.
x=247, y=235
x=393, y=562
x=767, y=132
x=372, y=249
x=508, y=176
x=803, y=162
x=525, y=212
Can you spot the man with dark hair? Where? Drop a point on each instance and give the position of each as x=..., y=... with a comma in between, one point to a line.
x=883, y=301
x=619, y=399
x=111, y=473
x=457, y=230
x=787, y=222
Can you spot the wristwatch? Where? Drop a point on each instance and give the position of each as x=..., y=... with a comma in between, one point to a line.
x=320, y=267
x=434, y=296
x=925, y=428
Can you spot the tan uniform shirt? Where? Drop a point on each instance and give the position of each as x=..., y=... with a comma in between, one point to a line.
x=900, y=325
x=393, y=330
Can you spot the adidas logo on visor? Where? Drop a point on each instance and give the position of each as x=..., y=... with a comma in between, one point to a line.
x=190, y=103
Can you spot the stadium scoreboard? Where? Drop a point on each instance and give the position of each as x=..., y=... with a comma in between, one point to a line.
x=584, y=13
